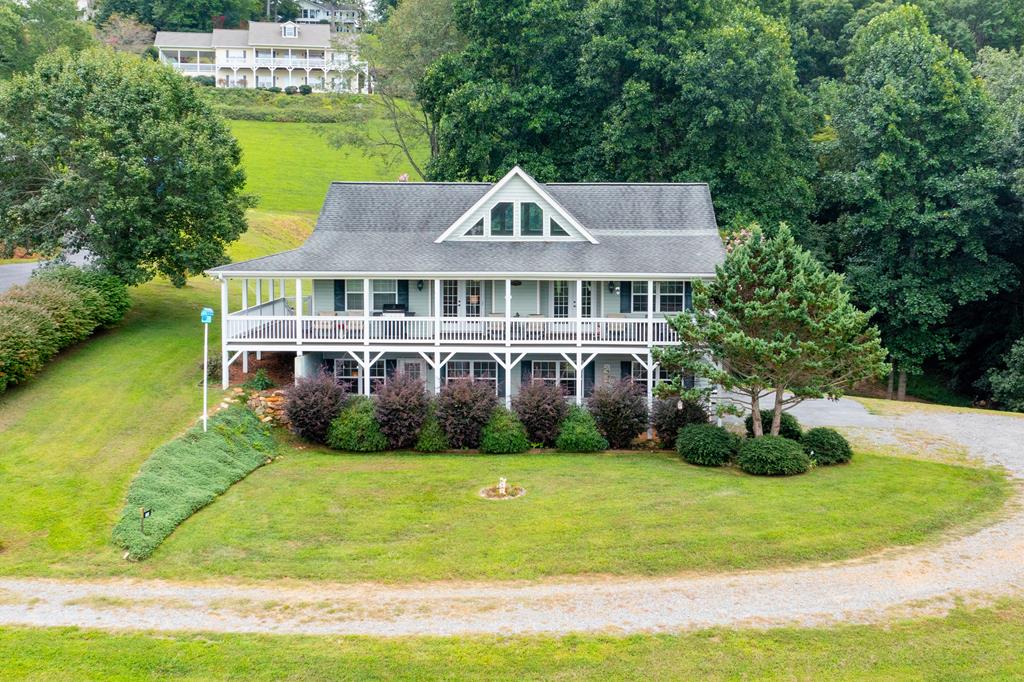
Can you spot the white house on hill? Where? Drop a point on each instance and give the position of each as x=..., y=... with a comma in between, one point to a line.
x=267, y=55
x=504, y=282
x=345, y=18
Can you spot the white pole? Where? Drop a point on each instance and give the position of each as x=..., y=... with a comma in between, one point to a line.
x=206, y=372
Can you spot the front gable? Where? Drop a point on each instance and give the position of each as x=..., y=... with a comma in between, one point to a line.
x=516, y=208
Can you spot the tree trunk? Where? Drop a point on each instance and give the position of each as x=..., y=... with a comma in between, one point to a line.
x=755, y=415
x=890, y=390
x=777, y=414
x=901, y=391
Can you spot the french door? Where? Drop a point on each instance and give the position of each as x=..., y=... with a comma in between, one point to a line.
x=461, y=298
x=563, y=299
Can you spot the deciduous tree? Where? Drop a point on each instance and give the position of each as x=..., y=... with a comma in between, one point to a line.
x=126, y=34
x=773, y=321
x=120, y=156
x=33, y=28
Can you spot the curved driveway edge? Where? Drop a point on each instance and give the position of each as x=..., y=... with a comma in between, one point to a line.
x=988, y=562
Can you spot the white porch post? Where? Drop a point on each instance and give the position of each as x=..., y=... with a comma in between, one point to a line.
x=650, y=393
x=259, y=302
x=366, y=372
x=579, y=376
x=270, y=283
x=650, y=311
x=508, y=322
x=437, y=316
x=508, y=380
x=579, y=317
x=224, y=332
x=245, y=306
x=298, y=310
x=367, y=298
x=281, y=286
x=437, y=372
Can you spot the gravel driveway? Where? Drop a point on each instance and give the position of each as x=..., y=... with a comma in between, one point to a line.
x=980, y=565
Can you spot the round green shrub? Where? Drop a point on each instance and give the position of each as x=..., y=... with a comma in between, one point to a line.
x=707, y=445
x=772, y=456
x=789, y=427
x=431, y=438
x=826, y=446
x=28, y=338
x=504, y=434
x=67, y=308
x=113, y=301
x=671, y=414
x=356, y=428
x=579, y=433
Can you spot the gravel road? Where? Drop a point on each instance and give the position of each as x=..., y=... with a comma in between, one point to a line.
x=980, y=565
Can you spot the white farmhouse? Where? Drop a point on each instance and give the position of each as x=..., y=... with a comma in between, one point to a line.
x=506, y=282
x=344, y=18
x=267, y=55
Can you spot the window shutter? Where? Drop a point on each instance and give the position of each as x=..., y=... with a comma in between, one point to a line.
x=390, y=367
x=525, y=370
x=688, y=381
x=625, y=297
x=403, y=292
x=689, y=296
x=501, y=382
x=589, y=377
x=627, y=369
x=444, y=374
x=327, y=366
x=339, y=294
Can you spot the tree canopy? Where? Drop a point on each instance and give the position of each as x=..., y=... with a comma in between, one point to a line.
x=910, y=186
x=33, y=28
x=773, y=321
x=120, y=156
x=182, y=15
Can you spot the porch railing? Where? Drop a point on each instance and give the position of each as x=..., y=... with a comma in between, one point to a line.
x=263, y=327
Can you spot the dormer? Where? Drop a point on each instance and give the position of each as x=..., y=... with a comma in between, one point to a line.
x=517, y=208
x=289, y=29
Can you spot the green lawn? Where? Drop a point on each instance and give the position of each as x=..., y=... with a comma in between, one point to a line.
x=405, y=517
x=290, y=165
x=967, y=645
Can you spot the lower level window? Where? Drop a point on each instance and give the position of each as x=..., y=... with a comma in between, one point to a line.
x=347, y=374
x=478, y=370
x=640, y=376
x=557, y=373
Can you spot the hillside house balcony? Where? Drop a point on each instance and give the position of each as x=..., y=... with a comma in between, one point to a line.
x=471, y=313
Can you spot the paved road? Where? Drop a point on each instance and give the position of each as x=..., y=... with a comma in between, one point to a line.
x=19, y=273
x=924, y=579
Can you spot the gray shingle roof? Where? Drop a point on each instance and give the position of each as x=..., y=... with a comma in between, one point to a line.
x=309, y=35
x=182, y=39
x=367, y=228
x=230, y=37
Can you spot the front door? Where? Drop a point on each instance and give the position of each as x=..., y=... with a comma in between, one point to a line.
x=461, y=298
x=563, y=299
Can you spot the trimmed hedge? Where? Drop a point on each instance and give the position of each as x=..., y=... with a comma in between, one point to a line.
x=826, y=446
x=58, y=307
x=402, y=407
x=772, y=456
x=620, y=411
x=669, y=417
x=188, y=473
x=356, y=428
x=462, y=408
x=312, y=404
x=707, y=445
x=789, y=427
x=542, y=408
x=504, y=434
x=432, y=438
x=579, y=433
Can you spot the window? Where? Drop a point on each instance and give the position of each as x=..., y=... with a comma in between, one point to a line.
x=639, y=297
x=378, y=375
x=346, y=373
x=639, y=374
x=385, y=292
x=477, y=230
x=531, y=221
x=412, y=369
x=560, y=298
x=557, y=230
x=289, y=30
x=501, y=219
x=671, y=297
x=478, y=370
x=555, y=373
x=354, y=294
x=310, y=13
x=450, y=298
x=473, y=298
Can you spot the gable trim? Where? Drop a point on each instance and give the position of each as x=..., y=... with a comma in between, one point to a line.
x=533, y=185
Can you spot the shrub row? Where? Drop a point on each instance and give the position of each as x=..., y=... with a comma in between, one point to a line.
x=58, y=307
x=767, y=455
x=185, y=475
